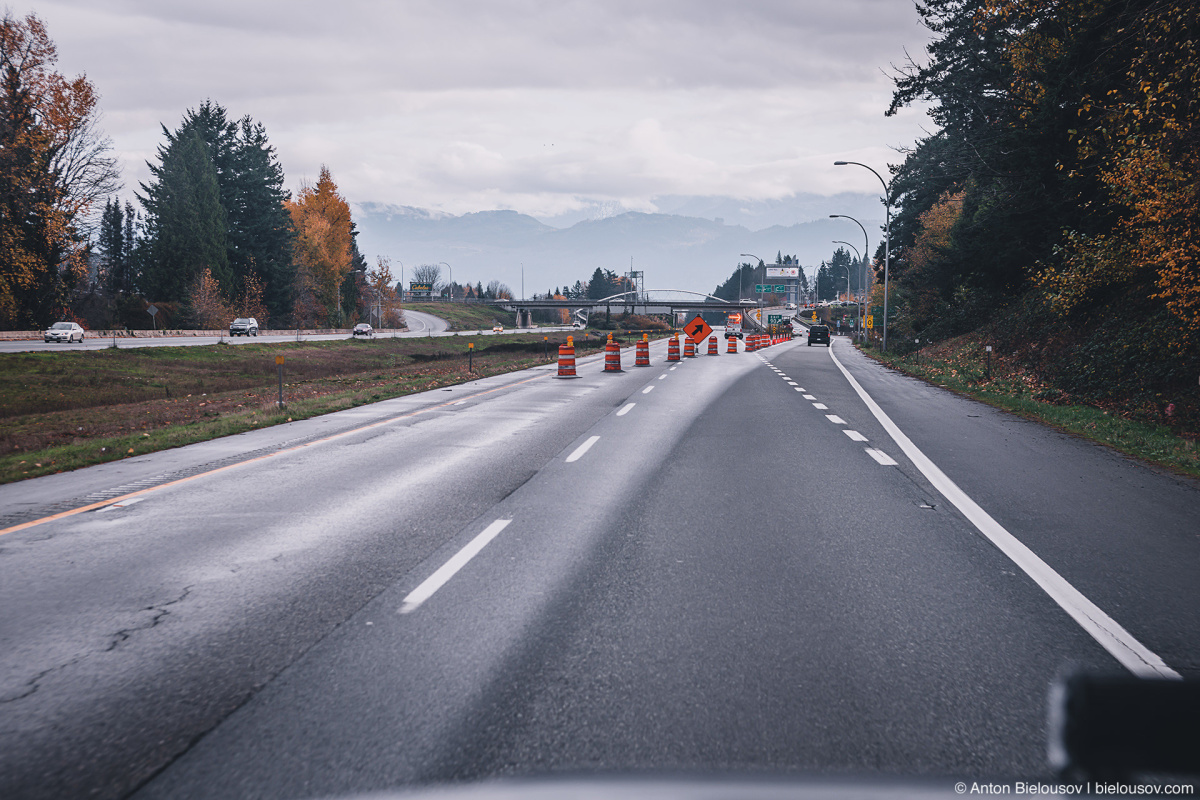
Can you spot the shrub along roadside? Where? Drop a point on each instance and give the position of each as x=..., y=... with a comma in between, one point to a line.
x=961, y=365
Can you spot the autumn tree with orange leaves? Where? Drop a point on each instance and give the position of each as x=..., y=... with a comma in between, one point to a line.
x=1139, y=131
x=55, y=168
x=1072, y=130
x=323, y=250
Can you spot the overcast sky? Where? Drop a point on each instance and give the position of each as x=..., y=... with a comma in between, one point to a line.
x=535, y=105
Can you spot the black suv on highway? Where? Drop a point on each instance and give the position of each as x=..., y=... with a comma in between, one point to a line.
x=818, y=334
x=244, y=326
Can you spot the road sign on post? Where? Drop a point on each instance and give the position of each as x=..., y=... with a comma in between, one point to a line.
x=774, y=319
x=870, y=320
x=279, y=365
x=697, y=329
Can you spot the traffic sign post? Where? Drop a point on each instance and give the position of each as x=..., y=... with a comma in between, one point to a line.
x=697, y=329
x=279, y=365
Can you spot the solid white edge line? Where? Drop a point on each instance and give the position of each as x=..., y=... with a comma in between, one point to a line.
x=881, y=457
x=1120, y=643
x=583, y=448
x=445, y=572
x=626, y=409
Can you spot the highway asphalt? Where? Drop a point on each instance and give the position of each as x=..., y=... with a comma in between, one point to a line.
x=733, y=564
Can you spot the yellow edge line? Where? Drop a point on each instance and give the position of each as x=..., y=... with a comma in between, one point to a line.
x=112, y=500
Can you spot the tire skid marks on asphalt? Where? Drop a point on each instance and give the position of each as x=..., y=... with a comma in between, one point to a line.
x=880, y=457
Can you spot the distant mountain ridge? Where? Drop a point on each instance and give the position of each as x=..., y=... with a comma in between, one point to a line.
x=675, y=251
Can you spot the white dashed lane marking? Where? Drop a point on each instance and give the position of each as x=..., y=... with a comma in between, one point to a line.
x=881, y=457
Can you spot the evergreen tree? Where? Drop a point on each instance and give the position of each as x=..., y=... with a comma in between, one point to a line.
x=257, y=236
x=112, y=246
x=598, y=286
x=260, y=237
x=186, y=223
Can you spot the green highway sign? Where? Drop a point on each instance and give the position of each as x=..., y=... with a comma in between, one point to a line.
x=774, y=319
x=780, y=288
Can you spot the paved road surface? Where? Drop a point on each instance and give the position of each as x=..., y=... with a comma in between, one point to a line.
x=695, y=568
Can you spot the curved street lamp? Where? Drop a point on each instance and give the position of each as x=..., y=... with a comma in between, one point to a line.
x=887, y=248
x=855, y=249
x=862, y=331
x=451, y=280
x=744, y=255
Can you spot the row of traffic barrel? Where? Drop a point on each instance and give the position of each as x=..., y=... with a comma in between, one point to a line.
x=612, y=351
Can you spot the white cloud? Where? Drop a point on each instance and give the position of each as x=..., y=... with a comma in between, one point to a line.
x=539, y=106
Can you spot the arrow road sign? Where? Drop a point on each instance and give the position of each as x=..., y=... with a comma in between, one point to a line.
x=697, y=330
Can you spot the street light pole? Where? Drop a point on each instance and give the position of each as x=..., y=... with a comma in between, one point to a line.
x=740, y=282
x=862, y=331
x=451, y=280
x=855, y=249
x=759, y=260
x=887, y=247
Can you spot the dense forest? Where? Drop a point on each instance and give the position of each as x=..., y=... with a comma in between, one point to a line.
x=1054, y=209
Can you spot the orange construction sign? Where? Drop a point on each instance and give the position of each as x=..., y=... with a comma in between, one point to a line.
x=697, y=330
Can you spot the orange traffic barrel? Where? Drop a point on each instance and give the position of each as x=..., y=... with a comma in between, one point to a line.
x=673, y=348
x=612, y=356
x=642, y=358
x=689, y=348
x=566, y=359
x=750, y=348
x=712, y=346
x=732, y=349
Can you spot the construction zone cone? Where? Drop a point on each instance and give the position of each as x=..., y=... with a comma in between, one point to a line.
x=612, y=356
x=732, y=349
x=750, y=348
x=566, y=359
x=689, y=348
x=673, y=348
x=642, y=359
x=712, y=346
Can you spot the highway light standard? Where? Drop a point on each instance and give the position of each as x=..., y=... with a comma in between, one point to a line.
x=855, y=249
x=887, y=247
x=865, y=283
x=451, y=280
x=760, y=301
x=741, y=271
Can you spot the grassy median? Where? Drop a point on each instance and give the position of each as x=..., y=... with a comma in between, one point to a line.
x=962, y=365
x=71, y=409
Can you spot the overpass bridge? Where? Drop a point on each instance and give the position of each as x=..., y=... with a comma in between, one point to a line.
x=655, y=301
